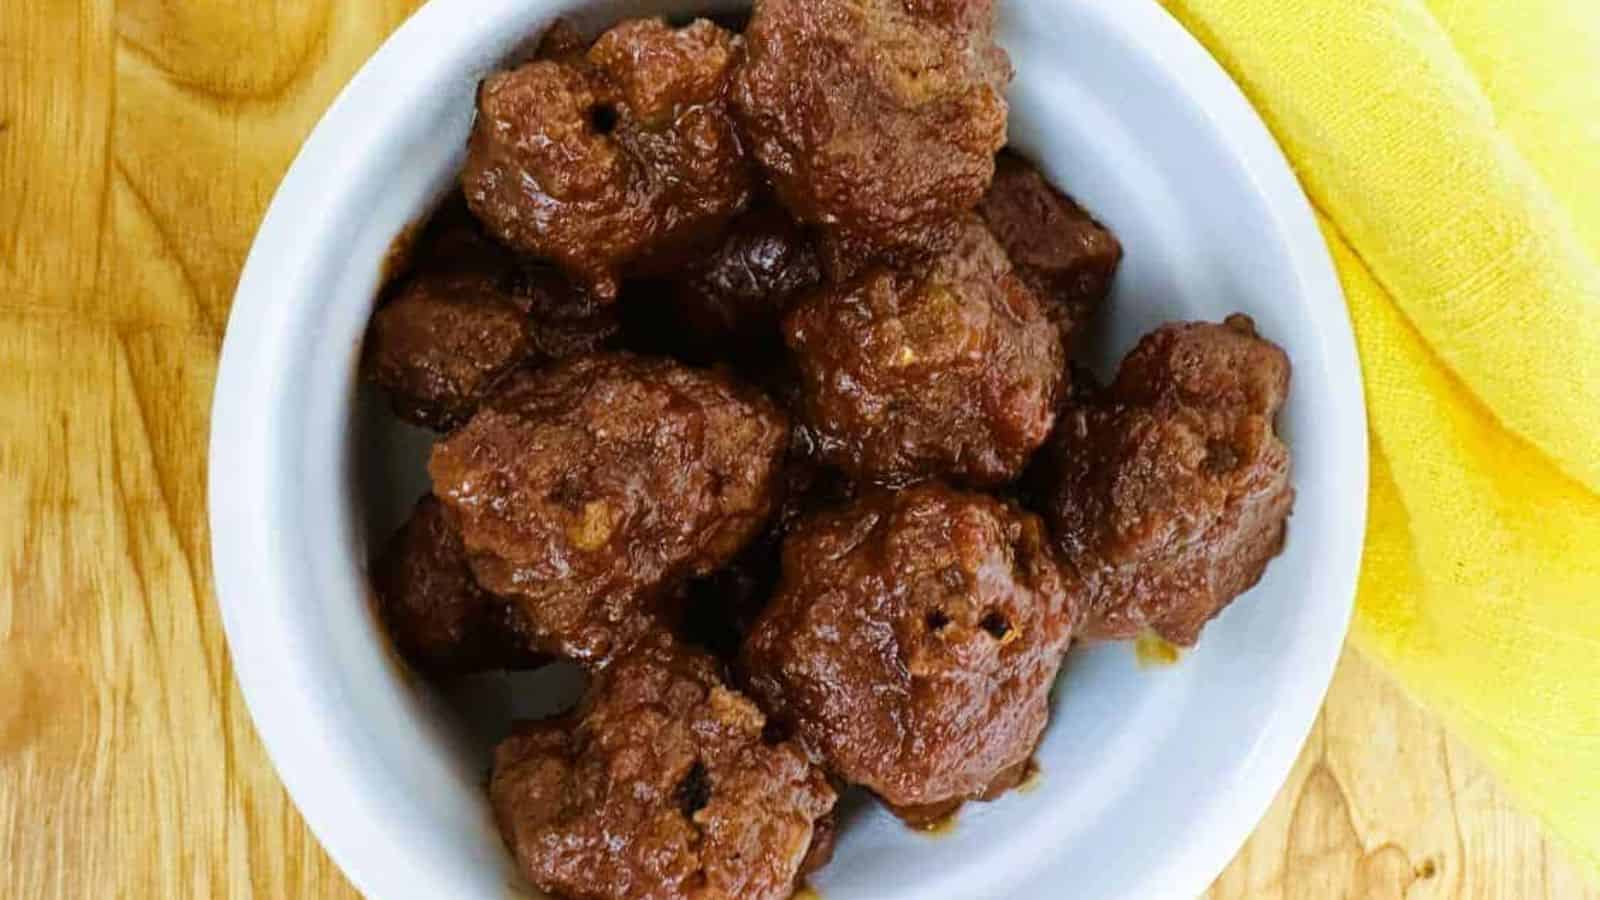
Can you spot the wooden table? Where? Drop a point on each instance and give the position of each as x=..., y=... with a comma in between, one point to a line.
x=140, y=141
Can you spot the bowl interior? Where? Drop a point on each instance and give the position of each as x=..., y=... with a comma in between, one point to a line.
x=1151, y=777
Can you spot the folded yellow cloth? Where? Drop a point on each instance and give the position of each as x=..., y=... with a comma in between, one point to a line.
x=1452, y=149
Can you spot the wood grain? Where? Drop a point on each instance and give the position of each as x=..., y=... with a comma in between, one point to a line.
x=139, y=143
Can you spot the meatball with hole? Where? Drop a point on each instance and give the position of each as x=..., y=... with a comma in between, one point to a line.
x=946, y=370
x=1170, y=490
x=617, y=159
x=589, y=490
x=876, y=119
x=912, y=643
x=661, y=785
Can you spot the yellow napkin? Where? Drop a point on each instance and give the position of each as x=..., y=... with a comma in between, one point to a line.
x=1452, y=149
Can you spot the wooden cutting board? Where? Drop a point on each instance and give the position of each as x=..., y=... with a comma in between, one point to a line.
x=140, y=141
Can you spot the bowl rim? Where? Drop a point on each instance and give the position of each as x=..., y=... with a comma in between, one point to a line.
x=294, y=722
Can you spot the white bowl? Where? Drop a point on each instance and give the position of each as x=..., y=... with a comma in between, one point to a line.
x=1152, y=778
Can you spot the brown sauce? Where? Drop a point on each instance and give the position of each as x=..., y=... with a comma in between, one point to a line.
x=1032, y=777
x=941, y=827
x=1153, y=652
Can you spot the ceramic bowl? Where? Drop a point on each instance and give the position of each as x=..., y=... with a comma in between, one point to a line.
x=1151, y=777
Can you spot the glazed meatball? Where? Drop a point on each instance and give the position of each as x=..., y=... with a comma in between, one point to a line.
x=587, y=490
x=1171, y=490
x=440, y=345
x=1065, y=256
x=618, y=159
x=737, y=294
x=913, y=640
x=468, y=314
x=438, y=617
x=1226, y=368
x=660, y=785
x=947, y=370
x=877, y=119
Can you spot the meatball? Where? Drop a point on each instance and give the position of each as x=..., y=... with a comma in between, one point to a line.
x=468, y=314
x=947, y=370
x=618, y=159
x=660, y=785
x=1171, y=490
x=586, y=491
x=1226, y=368
x=737, y=294
x=1065, y=256
x=438, y=617
x=441, y=344
x=877, y=119
x=913, y=640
